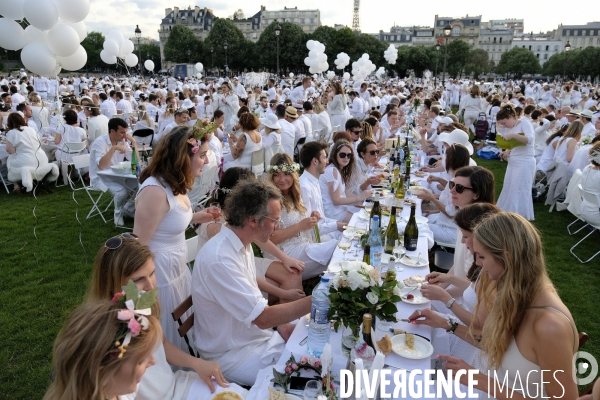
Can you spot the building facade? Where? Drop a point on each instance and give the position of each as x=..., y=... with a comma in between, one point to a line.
x=543, y=45
x=579, y=36
x=515, y=25
x=466, y=29
x=495, y=42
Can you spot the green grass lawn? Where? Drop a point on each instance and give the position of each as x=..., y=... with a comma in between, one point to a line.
x=46, y=262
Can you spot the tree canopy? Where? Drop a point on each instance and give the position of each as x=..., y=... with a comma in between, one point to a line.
x=292, y=44
x=93, y=45
x=518, y=61
x=181, y=39
x=577, y=63
x=224, y=30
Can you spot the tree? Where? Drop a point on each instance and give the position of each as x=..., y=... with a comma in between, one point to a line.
x=478, y=63
x=458, y=54
x=372, y=46
x=181, y=39
x=345, y=41
x=239, y=14
x=518, y=61
x=327, y=36
x=292, y=47
x=151, y=52
x=93, y=45
x=224, y=30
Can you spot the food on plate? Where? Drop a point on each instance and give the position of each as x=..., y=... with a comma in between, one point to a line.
x=229, y=395
x=398, y=331
x=414, y=280
x=409, y=297
x=385, y=345
x=409, y=340
x=275, y=395
x=420, y=174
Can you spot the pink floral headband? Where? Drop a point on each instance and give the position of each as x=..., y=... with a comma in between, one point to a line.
x=195, y=145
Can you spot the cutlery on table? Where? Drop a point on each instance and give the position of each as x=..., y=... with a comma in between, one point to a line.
x=400, y=331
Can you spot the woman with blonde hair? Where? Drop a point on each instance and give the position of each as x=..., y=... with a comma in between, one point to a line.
x=324, y=118
x=167, y=117
x=526, y=316
x=337, y=107
x=565, y=148
x=143, y=122
x=248, y=142
x=91, y=357
x=295, y=236
x=124, y=258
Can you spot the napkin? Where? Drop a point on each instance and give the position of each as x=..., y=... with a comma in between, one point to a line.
x=377, y=366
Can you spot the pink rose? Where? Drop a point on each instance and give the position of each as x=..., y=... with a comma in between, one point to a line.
x=317, y=363
x=125, y=315
x=115, y=298
x=303, y=360
x=134, y=326
x=311, y=361
x=295, y=367
x=288, y=369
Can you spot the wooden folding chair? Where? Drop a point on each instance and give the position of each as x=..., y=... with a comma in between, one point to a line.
x=185, y=326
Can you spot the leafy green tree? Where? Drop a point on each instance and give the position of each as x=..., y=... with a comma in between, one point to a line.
x=224, y=30
x=478, y=63
x=93, y=45
x=458, y=54
x=372, y=46
x=181, y=39
x=421, y=58
x=327, y=36
x=345, y=41
x=518, y=61
x=292, y=47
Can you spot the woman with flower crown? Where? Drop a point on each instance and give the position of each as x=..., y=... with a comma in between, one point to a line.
x=163, y=213
x=295, y=235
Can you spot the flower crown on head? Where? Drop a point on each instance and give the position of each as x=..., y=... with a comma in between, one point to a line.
x=134, y=317
x=595, y=156
x=283, y=168
x=200, y=130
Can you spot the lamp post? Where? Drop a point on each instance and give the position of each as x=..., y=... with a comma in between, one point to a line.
x=189, y=53
x=437, y=53
x=277, y=30
x=226, y=67
x=567, y=48
x=138, y=35
x=212, y=58
x=447, y=31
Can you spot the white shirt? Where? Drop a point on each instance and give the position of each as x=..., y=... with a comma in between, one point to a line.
x=366, y=96
x=227, y=300
x=298, y=95
x=589, y=130
x=312, y=199
x=288, y=136
x=240, y=91
x=108, y=108
x=357, y=107
x=272, y=93
x=124, y=106
x=41, y=85
x=308, y=128
x=299, y=131
x=97, y=126
x=101, y=146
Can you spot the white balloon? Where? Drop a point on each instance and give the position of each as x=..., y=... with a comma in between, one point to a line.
x=12, y=36
x=12, y=9
x=291, y=74
x=346, y=75
x=80, y=28
x=34, y=35
x=315, y=76
x=42, y=14
x=322, y=57
x=57, y=69
x=149, y=64
x=310, y=44
x=360, y=62
x=111, y=47
x=63, y=40
x=131, y=60
x=117, y=37
x=320, y=47
x=313, y=70
x=313, y=54
x=365, y=56
x=108, y=58
x=199, y=67
x=75, y=61
x=72, y=11
x=38, y=58
x=198, y=75
x=307, y=61
x=126, y=48
x=314, y=62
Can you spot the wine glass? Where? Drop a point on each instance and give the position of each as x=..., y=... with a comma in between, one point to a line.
x=399, y=251
x=215, y=210
x=313, y=390
x=344, y=245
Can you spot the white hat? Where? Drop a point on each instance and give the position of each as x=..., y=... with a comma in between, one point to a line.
x=457, y=136
x=187, y=104
x=270, y=121
x=587, y=114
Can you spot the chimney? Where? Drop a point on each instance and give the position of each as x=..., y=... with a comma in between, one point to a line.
x=196, y=11
x=176, y=13
x=167, y=11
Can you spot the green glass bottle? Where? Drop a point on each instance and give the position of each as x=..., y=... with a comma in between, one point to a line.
x=391, y=234
x=367, y=255
x=411, y=232
x=134, y=161
x=400, y=191
x=376, y=210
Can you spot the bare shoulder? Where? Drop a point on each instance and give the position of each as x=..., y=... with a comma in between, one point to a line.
x=550, y=326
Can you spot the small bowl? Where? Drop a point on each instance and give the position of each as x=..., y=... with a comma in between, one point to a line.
x=121, y=169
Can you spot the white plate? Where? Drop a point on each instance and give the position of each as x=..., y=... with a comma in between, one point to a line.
x=418, y=299
x=230, y=392
x=412, y=262
x=424, y=349
x=363, y=215
x=420, y=220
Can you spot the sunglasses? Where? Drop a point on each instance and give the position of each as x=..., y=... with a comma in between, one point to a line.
x=458, y=187
x=373, y=152
x=344, y=155
x=115, y=242
x=357, y=132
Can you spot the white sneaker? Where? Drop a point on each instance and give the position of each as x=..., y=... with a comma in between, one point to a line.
x=119, y=220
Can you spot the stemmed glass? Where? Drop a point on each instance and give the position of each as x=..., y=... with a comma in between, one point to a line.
x=360, y=229
x=399, y=251
x=344, y=245
x=313, y=390
x=215, y=210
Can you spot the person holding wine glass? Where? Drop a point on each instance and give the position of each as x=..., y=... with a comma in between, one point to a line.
x=295, y=237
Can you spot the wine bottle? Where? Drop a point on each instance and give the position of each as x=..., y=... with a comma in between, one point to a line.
x=375, y=243
x=406, y=149
x=144, y=155
x=400, y=191
x=134, y=161
x=391, y=234
x=407, y=170
x=366, y=330
x=376, y=210
x=411, y=232
x=367, y=255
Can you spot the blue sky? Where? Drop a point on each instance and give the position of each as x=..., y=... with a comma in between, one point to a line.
x=106, y=15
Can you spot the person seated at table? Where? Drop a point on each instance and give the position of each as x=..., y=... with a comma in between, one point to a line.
x=144, y=121
x=295, y=237
x=368, y=154
x=109, y=150
x=232, y=319
x=337, y=199
x=372, y=130
x=97, y=124
x=88, y=364
x=124, y=258
x=166, y=118
x=281, y=280
x=182, y=117
x=441, y=222
x=248, y=142
x=590, y=182
x=271, y=136
x=24, y=148
x=525, y=318
x=70, y=132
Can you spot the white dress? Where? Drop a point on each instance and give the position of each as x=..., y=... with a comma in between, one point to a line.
x=590, y=181
x=332, y=211
x=337, y=112
x=302, y=246
x=28, y=148
x=69, y=134
x=229, y=105
x=244, y=160
x=518, y=180
x=173, y=277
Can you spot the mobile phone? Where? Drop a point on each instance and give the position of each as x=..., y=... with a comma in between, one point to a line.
x=299, y=382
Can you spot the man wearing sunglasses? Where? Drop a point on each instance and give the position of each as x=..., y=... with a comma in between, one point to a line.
x=354, y=128
x=233, y=322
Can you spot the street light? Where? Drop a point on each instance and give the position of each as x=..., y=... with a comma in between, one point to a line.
x=277, y=30
x=447, y=32
x=138, y=35
x=567, y=48
x=189, y=53
x=437, y=53
x=226, y=67
x=212, y=58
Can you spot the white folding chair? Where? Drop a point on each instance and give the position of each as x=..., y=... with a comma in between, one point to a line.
x=5, y=181
x=83, y=161
x=192, y=250
x=64, y=164
x=594, y=200
x=318, y=135
x=258, y=162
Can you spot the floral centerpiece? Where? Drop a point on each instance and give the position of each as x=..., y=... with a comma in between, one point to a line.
x=293, y=367
x=359, y=290
x=417, y=104
x=585, y=140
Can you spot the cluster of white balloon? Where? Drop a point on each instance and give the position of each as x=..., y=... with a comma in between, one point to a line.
x=52, y=40
x=380, y=72
x=391, y=54
x=116, y=46
x=362, y=68
x=199, y=67
x=342, y=61
x=317, y=59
